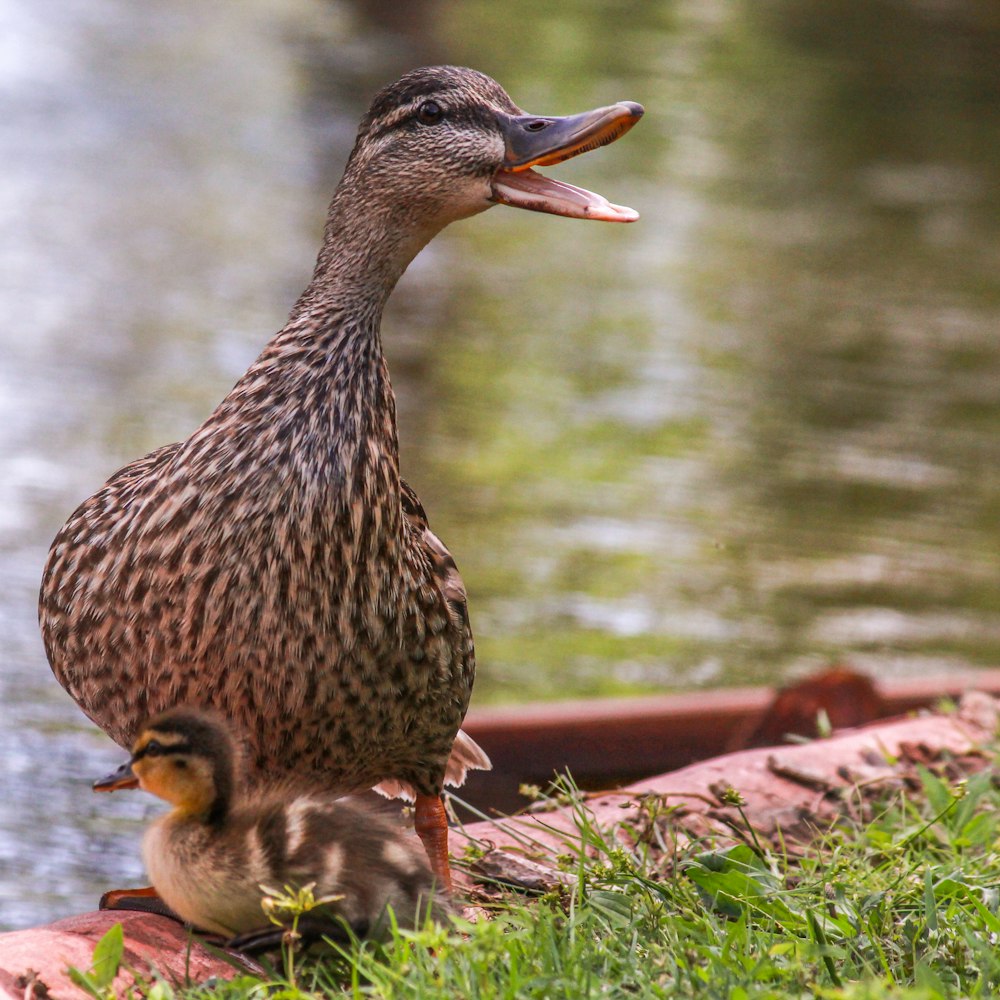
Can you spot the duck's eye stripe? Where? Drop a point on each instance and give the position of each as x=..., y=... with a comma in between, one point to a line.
x=478, y=116
x=154, y=749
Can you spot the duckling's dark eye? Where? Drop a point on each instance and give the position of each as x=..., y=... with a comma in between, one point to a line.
x=152, y=749
x=430, y=113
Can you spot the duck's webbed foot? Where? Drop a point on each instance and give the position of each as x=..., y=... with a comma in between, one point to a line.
x=310, y=930
x=143, y=900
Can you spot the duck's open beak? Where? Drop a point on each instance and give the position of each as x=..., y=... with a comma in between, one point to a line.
x=535, y=141
x=122, y=778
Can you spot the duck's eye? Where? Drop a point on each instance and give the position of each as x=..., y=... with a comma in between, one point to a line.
x=430, y=113
x=152, y=749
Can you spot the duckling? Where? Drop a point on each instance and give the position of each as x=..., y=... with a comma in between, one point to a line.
x=215, y=855
x=274, y=565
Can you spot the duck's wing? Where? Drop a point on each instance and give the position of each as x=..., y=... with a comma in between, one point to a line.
x=466, y=754
x=81, y=603
x=441, y=561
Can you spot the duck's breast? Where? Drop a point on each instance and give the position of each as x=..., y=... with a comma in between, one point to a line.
x=211, y=879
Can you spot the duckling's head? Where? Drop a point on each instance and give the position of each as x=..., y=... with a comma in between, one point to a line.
x=185, y=756
x=444, y=142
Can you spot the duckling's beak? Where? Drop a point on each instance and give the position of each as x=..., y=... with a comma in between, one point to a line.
x=124, y=777
x=535, y=141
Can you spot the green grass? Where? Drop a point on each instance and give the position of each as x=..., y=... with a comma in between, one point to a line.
x=901, y=903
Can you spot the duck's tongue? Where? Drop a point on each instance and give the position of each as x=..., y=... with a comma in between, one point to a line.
x=534, y=141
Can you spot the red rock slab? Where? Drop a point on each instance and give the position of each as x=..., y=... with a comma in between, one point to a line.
x=33, y=962
x=605, y=743
x=781, y=787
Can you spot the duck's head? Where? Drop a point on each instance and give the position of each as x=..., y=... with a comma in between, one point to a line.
x=184, y=756
x=445, y=142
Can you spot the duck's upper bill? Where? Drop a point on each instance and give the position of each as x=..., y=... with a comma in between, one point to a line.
x=124, y=777
x=537, y=141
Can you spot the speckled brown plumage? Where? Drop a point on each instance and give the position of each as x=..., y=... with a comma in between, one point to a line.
x=274, y=565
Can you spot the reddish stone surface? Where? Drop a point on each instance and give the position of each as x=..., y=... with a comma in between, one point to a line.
x=153, y=944
x=789, y=788
x=847, y=698
x=609, y=742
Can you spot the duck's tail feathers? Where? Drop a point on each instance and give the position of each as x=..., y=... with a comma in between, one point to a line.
x=466, y=755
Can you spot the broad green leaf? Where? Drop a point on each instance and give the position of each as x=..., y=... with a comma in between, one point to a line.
x=85, y=981
x=108, y=956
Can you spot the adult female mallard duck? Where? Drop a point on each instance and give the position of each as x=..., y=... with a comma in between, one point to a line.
x=212, y=856
x=274, y=565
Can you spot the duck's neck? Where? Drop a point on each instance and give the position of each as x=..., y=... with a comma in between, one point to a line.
x=211, y=811
x=322, y=382
x=207, y=803
x=218, y=810
x=368, y=243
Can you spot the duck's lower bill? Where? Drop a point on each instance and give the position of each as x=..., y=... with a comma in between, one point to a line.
x=530, y=190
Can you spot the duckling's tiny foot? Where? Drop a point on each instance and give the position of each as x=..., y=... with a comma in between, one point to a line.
x=143, y=900
x=257, y=942
x=310, y=931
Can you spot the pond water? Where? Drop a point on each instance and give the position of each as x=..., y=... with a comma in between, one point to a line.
x=755, y=432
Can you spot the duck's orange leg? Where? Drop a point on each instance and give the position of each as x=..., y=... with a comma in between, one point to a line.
x=431, y=823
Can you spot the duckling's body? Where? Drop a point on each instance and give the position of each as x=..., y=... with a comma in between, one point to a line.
x=274, y=565
x=209, y=858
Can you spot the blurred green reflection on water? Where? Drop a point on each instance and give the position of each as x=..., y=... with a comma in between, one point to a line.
x=765, y=436
x=754, y=432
